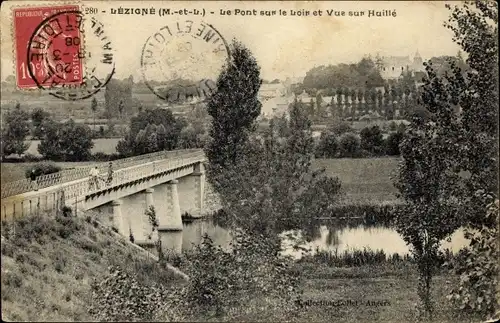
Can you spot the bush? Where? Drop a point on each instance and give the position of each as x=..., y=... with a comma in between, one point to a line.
x=66, y=141
x=339, y=128
x=328, y=146
x=120, y=297
x=392, y=143
x=349, y=145
x=222, y=283
x=393, y=126
x=478, y=268
x=43, y=168
x=100, y=156
x=372, y=140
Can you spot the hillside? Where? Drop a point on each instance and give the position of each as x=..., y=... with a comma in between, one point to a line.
x=49, y=265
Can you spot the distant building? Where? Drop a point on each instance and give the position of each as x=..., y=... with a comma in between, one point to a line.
x=271, y=90
x=393, y=66
x=276, y=106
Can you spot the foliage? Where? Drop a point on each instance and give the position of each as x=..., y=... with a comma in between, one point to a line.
x=42, y=168
x=66, y=141
x=372, y=140
x=151, y=131
x=392, y=143
x=121, y=297
x=118, y=97
x=354, y=258
x=427, y=188
x=234, y=106
x=93, y=107
x=192, y=136
x=328, y=146
x=478, y=291
x=250, y=276
x=475, y=29
x=281, y=126
x=460, y=138
x=14, y=132
x=362, y=74
x=273, y=187
x=38, y=117
x=338, y=127
x=152, y=219
x=349, y=145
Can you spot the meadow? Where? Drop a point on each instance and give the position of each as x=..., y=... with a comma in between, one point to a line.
x=15, y=171
x=364, y=180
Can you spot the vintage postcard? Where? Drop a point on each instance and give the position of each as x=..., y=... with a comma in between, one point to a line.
x=308, y=161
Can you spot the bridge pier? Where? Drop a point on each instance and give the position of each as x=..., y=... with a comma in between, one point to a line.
x=118, y=221
x=145, y=225
x=170, y=220
x=199, y=187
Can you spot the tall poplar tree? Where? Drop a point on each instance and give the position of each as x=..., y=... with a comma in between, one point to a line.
x=233, y=107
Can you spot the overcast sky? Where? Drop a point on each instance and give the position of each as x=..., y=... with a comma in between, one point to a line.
x=283, y=46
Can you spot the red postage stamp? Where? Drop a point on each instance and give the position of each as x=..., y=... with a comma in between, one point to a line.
x=48, y=46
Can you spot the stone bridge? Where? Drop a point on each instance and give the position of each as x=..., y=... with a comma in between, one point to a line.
x=139, y=176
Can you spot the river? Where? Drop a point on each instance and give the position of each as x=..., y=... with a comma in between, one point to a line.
x=326, y=237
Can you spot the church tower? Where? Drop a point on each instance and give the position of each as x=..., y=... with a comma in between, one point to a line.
x=418, y=63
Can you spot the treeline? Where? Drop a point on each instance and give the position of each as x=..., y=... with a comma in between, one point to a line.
x=341, y=140
x=363, y=74
x=394, y=99
x=149, y=131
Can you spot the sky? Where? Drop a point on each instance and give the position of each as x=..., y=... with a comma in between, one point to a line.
x=284, y=46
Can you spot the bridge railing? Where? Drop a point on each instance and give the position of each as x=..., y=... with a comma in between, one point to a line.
x=25, y=185
x=132, y=173
x=53, y=198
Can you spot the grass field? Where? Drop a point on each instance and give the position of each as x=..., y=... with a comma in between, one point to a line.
x=15, y=171
x=364, y=180
x=378, y=293
x=101, y=145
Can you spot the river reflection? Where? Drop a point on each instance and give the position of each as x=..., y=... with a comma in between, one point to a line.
x=323, y=236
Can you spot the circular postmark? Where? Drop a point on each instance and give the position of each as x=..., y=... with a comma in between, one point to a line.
x=69, y=57
x=182, y=60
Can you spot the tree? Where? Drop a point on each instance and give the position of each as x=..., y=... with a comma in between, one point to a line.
x=340, y=110
x=121, y=108
x=67, y=141
x=372, y=140
x=93, y=107
x=274, y=188
x=311, y=111
x=349, y=145
x=475, y=29
x=162, y=122
x=14, y=132
x=234, y=106
x=319, y=105
x=460, y=137
x=38, y=116
x=328, y=146
x=392, y=143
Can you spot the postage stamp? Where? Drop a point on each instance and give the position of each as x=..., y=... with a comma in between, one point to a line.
x=61, y=51
x=26, y=21
x=181, y=60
